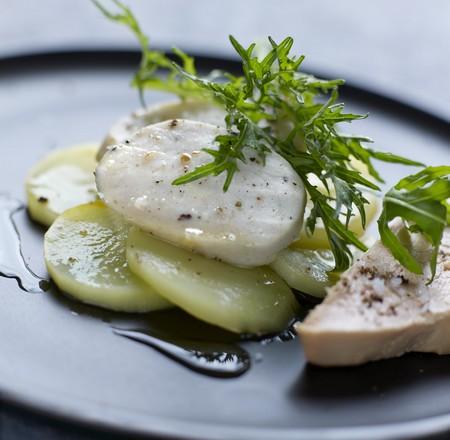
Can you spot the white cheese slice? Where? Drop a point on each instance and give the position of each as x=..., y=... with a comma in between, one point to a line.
x=260, y=214
x=197, y=110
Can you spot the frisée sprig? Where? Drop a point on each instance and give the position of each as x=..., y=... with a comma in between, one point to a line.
x=156, y=70
x=275, y=107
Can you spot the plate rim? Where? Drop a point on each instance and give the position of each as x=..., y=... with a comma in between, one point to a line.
x=52, y=59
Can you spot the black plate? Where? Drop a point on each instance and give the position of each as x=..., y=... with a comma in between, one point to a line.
x=63, y=360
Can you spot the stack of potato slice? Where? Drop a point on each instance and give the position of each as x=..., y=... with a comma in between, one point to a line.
x=93, y=255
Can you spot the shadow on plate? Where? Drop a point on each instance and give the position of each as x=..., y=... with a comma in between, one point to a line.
x=373, y=378
x=165, y=323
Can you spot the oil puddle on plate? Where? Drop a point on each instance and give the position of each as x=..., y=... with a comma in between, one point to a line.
x=204, y=348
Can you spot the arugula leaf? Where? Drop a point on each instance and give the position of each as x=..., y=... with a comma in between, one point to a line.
x=275, y=107
x=420, y=200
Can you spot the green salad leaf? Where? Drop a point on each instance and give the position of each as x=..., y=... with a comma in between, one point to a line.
x=156, y=70
x=420, y=200
x=275, y=107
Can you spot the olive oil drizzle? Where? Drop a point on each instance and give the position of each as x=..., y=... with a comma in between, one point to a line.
x=12, y=261
x=225, y=360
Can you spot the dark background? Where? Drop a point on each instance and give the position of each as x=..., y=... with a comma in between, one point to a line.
x=399, y=48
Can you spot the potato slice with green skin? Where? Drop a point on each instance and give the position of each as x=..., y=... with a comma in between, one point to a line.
x=85, y=256
x=306, y=270
x=61, y=180
x=241, y=300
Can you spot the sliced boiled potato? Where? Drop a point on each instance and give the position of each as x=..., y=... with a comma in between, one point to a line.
x=85, y=256
x=61, y=180
x=308, y=271
x=319, y=239
x=196, y=110
x=241, y=300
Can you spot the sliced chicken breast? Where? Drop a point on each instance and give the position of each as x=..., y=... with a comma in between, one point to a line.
x=379, y=310
x=260, y=214
x=125, y=127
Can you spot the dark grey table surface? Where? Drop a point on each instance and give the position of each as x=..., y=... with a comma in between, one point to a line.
x=397, y=48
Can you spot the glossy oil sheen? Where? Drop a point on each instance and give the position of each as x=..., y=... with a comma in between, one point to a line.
x=213, y=359
x=12, y=262
x=201, y=347
x=219, y=359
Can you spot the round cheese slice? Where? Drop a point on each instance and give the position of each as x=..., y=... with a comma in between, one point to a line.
x=197, y=110
x=260, y=214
